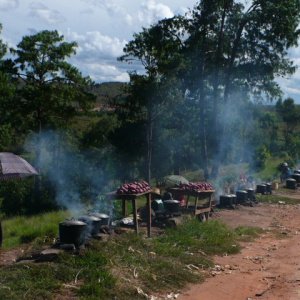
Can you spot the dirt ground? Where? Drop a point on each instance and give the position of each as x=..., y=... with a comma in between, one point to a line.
x=267, y=267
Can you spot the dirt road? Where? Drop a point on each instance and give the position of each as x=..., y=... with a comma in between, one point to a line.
x=266, y=268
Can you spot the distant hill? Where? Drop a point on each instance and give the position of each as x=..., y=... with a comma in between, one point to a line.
x=107, y=91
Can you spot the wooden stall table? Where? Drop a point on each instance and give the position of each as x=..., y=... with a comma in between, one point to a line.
x=133, y=198
x=195, y=208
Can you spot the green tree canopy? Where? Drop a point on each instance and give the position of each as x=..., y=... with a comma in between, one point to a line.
x=51, y=90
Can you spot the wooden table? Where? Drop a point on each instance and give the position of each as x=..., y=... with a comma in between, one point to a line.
x=133, y=198
x=197, y=210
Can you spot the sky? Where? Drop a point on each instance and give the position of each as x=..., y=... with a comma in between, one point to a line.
x=101, y=28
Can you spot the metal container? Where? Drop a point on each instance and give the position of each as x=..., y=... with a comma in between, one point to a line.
x=296, y=177
x=93, y=223
x=157, y=205
x=171, y=206
x=104, y=218
x=226, y=201
x=268, y=188
x=72, y=232
x=241, y=196
x=297, y=172
x=291, y=183
x=251, y=194
x=261, y=189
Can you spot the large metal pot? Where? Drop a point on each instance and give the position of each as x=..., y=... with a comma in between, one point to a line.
x=171, y=206
x=72, y=232
x=104, y=218
x=251, y=194
x=241, y=196
x=296, y=177
x=291, y=183
x=261, y=189
x=93, y=223
x=227, y=201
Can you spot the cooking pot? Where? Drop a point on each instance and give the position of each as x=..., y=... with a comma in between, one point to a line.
x=226, y=201
x=72, y=232
x=241, y=196
x=104, y=218
x=171, y=206
x=291, y=183
x=296, y=177
x=261, y=189
x=93, y=223
x=251, y=194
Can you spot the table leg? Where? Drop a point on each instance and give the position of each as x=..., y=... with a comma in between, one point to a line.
x=196, y=205
x=124, y=208
x=136, y=226
x=187, y=201
x=149, y=215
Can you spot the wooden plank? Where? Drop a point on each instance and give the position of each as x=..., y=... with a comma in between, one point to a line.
x=135, y=220
x=149, y=221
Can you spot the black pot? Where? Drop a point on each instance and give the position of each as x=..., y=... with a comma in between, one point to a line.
x=261, y=189
x=297, y=172
x=104, y=219
x=291, y=183
x=251, y=194
x=93, y=223
x=296, y=177
x=241, y=196
x=268, y=188
x=171, y=206
x=72, y=232
x=227, y=201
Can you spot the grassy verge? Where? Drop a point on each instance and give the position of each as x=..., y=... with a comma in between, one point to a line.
x=20, y=230
x=125, y=264
x=278, y=199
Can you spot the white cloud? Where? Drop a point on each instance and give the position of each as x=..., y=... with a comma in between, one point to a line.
x=96, y=44
x=151, y=11
x=108, y=5
x=8, y=4
x=46, y=14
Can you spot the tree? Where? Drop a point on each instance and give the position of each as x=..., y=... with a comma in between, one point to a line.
x=290, y=115
x=50, y=89
x=150, y=95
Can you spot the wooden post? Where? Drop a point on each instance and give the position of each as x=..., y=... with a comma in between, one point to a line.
x=149, y=215
x=196, y=204
x=135, y=221
x=124, y=208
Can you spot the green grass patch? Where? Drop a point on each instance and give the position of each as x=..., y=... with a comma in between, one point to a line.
x=276, y=199
x=246, y=233
x=113, y=269
x=24, y=229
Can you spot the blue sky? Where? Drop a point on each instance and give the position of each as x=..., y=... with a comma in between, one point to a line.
x=101, y=28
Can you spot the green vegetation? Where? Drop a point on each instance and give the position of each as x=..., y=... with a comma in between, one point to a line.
x=20, y=230
x=115, y=268
x=277, y=199
x=246, y=233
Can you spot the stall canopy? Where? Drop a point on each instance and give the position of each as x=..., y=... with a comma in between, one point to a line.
x=13, y=166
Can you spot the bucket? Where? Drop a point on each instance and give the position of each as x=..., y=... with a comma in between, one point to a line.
x=275, y=185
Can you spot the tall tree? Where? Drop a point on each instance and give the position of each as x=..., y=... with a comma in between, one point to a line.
x=51, y=90
x=157, y=49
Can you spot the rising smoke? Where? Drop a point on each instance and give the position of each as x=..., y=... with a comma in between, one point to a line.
x=78, y=181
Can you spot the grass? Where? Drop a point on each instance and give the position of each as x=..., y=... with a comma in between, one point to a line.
x=246, y=233
x=116, y=268
x=276, y=199
x=24, y=229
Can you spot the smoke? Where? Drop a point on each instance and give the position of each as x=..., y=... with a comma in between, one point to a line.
x=78, y=180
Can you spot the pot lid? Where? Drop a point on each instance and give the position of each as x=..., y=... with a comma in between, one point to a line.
x=99, y=215
x=171, y=201
x=72, y=223
x=89, y=218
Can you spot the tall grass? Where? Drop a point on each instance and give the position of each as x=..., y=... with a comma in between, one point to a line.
x=23, y=229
